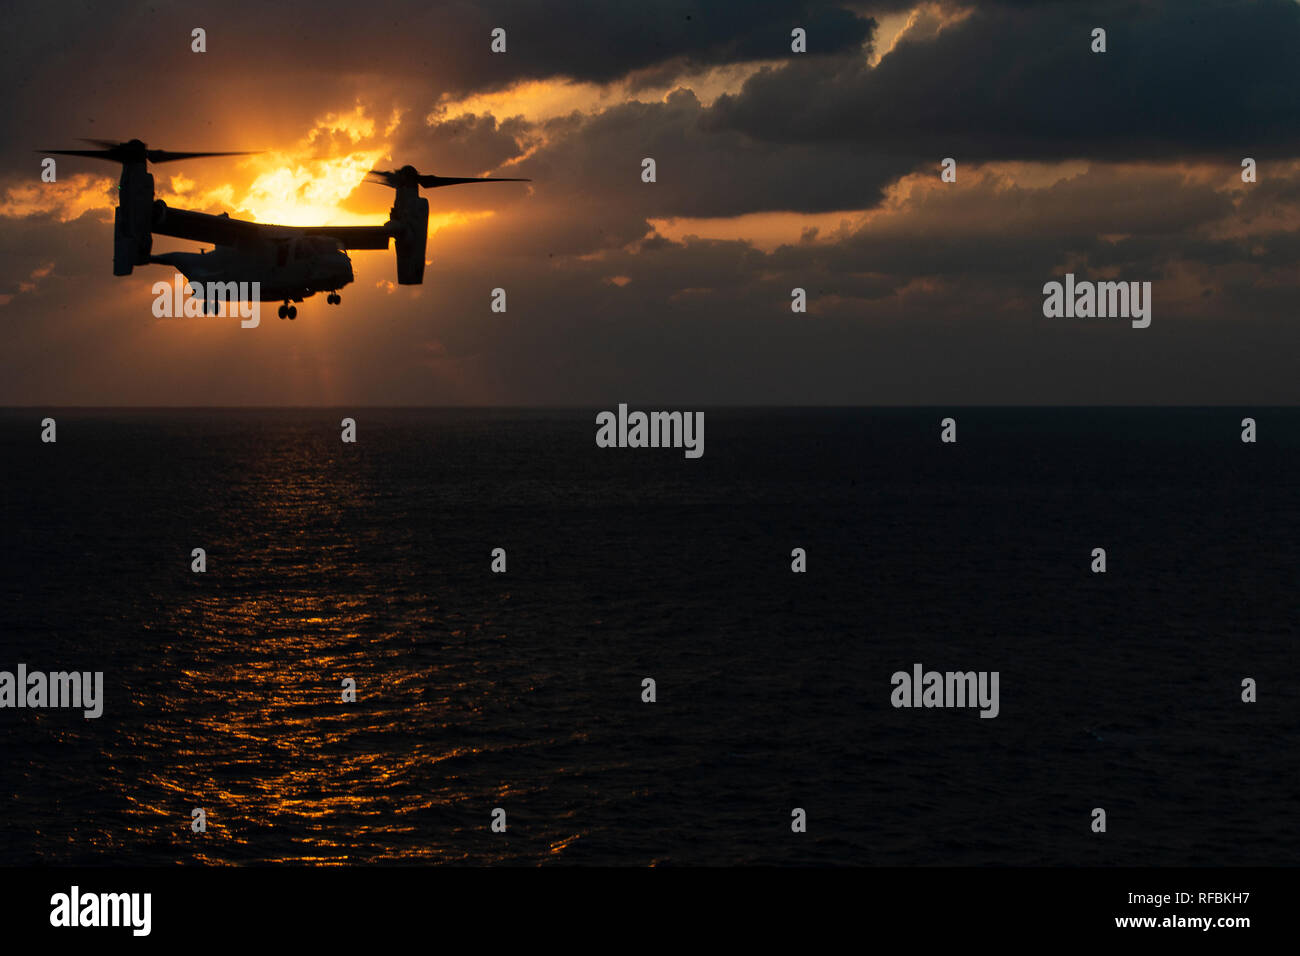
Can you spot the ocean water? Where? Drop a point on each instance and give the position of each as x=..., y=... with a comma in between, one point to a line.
x=523, y=690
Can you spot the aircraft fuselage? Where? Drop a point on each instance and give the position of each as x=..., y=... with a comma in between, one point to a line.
x=283, y=269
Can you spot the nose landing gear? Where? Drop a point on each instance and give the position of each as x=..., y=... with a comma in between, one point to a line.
x=288, y=311
x=334, y=298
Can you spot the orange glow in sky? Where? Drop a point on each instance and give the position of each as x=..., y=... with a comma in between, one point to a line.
x=307, y=184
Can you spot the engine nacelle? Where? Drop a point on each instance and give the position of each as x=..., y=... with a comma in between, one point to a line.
x=408, y=222
x=133, y=219
x=410, y=219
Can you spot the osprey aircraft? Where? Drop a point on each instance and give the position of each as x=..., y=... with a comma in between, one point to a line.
x=287, y=263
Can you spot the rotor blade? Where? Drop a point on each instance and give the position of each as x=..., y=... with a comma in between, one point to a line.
x=433, y=182
x=133, y=151
x=93, y=153
x=163, y=156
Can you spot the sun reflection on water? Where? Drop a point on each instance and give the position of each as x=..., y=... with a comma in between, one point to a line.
x=249, y=722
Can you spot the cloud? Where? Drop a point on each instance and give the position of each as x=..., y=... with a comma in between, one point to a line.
x=1177, y=79
x=1124, y=164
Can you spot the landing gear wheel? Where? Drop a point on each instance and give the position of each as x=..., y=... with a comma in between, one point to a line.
x=334, y=298
x=284, y=312
x=293, y=312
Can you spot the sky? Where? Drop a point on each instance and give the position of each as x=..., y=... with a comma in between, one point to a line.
x=775, y=170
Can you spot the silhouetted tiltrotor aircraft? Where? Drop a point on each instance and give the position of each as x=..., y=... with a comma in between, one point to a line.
x=289, y=262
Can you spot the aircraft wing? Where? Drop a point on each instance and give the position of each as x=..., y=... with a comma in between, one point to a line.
x=352, y=237
x=224, y=231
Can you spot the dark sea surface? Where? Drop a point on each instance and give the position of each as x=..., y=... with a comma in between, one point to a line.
x=523, y=690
